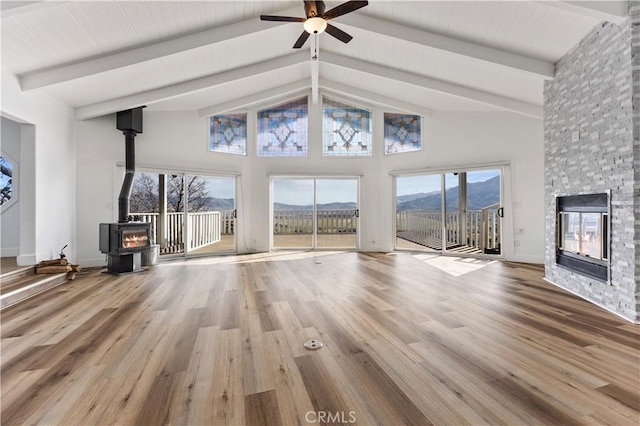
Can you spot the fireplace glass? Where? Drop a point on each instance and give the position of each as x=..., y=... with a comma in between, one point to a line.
x=133, y=238
x=583, y=234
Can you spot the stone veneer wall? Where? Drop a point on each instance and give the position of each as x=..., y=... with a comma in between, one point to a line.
x=634, y=12
x=593, y=93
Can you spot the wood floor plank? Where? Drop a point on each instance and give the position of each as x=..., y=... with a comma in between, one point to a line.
x=262, y=409
x=322, y=390
x=408, y=339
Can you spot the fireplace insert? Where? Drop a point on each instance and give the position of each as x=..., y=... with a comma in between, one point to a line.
x=582, y=230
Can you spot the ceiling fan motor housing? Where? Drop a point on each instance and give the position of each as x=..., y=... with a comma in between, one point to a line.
x=314, y=9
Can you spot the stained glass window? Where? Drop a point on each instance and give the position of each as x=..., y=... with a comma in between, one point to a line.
x=283, y=130
x=346, y=129
x=228, y=133
x=402, y=133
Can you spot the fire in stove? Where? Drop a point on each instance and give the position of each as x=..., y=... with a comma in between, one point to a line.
x=134, y=238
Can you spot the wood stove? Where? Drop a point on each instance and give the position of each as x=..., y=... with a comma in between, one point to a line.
x=124, y=243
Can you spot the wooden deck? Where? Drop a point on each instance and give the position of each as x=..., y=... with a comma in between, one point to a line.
x=409, y=240
x=219, y=340
x=342, y=241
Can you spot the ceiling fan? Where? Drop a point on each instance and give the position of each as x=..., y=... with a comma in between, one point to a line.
x=316, y=20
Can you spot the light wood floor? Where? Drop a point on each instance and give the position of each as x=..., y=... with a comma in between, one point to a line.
x=407, y=340
x=8, y=264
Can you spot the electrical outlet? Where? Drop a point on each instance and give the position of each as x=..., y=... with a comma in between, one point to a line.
x=575, y=136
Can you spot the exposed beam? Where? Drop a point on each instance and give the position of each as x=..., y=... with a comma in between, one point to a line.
x=180, y=89
x=613, y=11
x=256, y=98
x=374, y=98
x=436, y=85
x=459, y=47
x=111, y=61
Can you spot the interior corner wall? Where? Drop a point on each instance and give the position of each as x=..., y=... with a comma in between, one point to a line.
x=10, y=220
x=590, y=100
x=47, y=171
x=175, y=141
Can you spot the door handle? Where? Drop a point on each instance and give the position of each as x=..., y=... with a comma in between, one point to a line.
x=501, y=212
x=357, y=213
x=234, y=214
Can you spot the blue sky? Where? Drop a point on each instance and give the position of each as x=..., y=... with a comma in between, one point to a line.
x=428, y=183
x=300, y=191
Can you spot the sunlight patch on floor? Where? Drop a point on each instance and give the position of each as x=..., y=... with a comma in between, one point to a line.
x=454, y=266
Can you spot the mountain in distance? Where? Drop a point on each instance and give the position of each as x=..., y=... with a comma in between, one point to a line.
x=411, y=197
x=479, y=195
x=219, y=204
x=327, y=206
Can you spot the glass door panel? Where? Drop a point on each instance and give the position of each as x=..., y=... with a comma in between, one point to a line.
x=483, y=211
x=453, y=208
x=159, y=199
x=293, y=213
x=337, y=213
x=211, y=214
x=419, y=222
x=171, y=220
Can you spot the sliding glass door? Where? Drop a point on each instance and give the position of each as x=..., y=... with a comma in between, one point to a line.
x=293, y=213
x=419, y=223
x=211, y=214
x=337, y=213
x=189, y=214
x=315, y=213
x=458, y=212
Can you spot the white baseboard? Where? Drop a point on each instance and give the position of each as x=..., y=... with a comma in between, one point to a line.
x=10, y=251
x=525, y=258
x=26, y=259
x=92, y=262
x=591, y=301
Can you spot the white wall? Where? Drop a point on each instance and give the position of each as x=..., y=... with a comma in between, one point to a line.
x=47, y=171
x=178, y=140
x=10, y=224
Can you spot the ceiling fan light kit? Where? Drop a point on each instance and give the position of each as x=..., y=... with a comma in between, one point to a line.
x=316, y=20
x=315, y=25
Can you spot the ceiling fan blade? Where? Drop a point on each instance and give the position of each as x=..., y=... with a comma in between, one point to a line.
x=281, y=18
x=338, y=33
x=344, y=8
x=303, y=37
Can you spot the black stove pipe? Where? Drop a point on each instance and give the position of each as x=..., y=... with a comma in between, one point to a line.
x=130, y=122
x=130, y=171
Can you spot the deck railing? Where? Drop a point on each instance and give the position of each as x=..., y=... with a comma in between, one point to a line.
x=204, y=228
x=482, y=227
x=301, y=221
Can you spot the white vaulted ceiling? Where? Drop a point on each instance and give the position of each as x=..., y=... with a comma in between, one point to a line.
x=101, y=57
